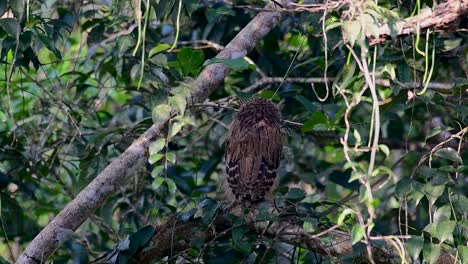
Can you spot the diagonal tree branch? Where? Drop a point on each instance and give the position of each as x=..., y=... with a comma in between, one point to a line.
x=104, y=185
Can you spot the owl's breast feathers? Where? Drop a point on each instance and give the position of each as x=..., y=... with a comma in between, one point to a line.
x=253, y=150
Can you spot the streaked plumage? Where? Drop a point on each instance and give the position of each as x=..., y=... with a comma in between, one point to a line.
x=253, y=151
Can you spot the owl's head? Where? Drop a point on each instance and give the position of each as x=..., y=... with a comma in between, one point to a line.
x=259, y=109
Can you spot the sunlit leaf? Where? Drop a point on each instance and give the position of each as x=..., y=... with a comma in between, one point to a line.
x=344, y=214
x=155, y=158
x=178, y=101
x=171, y=157
x=384, y=149
x=158, y=48
x=157, y=145
x=357, y=233
x=171, y=185
x=442, y=230
x=449, y=153
x=352, y=30
x=450, y=44
x=175, y=128
x=190, y=60
x=161, y=113
x=156, y=172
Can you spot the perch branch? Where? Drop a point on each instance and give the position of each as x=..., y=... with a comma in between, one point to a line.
x=288, y=230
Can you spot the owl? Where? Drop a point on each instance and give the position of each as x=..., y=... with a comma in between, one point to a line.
x=253, y=151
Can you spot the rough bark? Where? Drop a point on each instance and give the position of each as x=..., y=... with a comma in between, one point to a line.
x=444, y=15
x=173, y=237
x=104, y=185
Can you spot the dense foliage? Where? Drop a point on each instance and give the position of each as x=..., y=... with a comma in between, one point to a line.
x=80, y=80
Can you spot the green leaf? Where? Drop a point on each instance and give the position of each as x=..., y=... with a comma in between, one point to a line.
x=161, y=113
x=384, y=149
x=463, y=252
x=295, y=194
x=175, y=128
x=357, y=233
x=357, y=137
x=342, y=216
x=382, y=170
x=390, y=69
x=18, y=7
x=317, y=121
x=238, y=233
x=415, y=245
x=158, y=48
x=190, y=61
x=155, y=158
x=178, y=101
x=157, y=171
x=183, y=89
x=434, y=132
x=209, y=211
x=171, y=157
x=11, y=26
x=3, y=9
x=460, y=203
x=352, y=30
x=171, y=185
x=157, y=146
x=450, y=44
x=160, y=60
x=433, y=192
x=49, y=45
x=442, y=230
x=355, y=175
x=449, y=153
x=338, y=115
x=309, y=226
x=185, y=216
x=157, y=182
x=404, y=187
x=371, y=25
x=431, y=253
x=237, y=64
x=141, y=237
x=442, y=213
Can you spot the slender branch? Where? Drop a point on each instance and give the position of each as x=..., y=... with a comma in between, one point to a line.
x=381, y=82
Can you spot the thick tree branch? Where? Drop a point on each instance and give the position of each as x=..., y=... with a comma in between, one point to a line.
x=442, y=16
x=174, y=237
x=104, y=185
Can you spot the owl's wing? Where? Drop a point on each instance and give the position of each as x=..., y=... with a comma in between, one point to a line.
x=252, y=160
